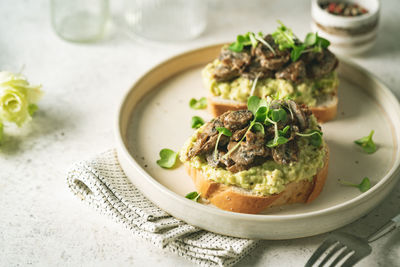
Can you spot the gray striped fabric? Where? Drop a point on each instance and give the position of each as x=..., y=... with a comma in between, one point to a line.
x=101, y=183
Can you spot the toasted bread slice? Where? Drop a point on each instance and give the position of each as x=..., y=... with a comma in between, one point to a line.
x=236, y=199
x=325, y=111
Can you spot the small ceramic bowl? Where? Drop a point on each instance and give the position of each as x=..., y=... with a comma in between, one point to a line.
x=348, y=35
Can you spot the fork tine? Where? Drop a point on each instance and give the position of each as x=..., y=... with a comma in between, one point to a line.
x=359, y=254
x=335, y=249
x=353, y=259
x=340, y=257
x=321, y=249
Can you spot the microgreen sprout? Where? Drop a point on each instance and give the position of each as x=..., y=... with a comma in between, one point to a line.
x=197, y=122
x=167, y=159
x=193, y=196
x=264, y=115
x=253, y=86
x=258, y=127
x=279, y=139
x=248, y=39
x=315, y=137
x=284, y=37
x=198, y=104
x=367, y=143
x=364, y=186
x=221, y=131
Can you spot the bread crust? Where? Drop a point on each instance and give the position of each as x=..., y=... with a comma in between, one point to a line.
x=240, y=200
x=323, y=113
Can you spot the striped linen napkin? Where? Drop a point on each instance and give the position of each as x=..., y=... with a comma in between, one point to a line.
x=102, y=184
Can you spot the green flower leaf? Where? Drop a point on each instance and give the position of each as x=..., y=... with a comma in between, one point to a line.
x=367, y=143
x=32, y=108
x=1, y=132
x=167, y=159
x=198, y=104
x=364, y=186
x=193, y=196
x=197, y=122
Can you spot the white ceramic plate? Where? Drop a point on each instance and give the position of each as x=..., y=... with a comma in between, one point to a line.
x=155, y=114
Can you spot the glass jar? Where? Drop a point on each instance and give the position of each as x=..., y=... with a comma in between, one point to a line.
x=166, y=20
x=80, y=20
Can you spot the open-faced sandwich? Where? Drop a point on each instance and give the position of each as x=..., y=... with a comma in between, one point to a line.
x=277, y=64
x=249, y=160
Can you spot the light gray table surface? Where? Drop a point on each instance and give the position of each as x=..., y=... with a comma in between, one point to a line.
x=41, y=222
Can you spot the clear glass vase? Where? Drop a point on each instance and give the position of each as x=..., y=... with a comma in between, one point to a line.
x=80, y=20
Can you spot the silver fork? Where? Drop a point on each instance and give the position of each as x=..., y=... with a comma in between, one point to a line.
x=342, y=245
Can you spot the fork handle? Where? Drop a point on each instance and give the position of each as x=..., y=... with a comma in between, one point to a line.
x=388, y=227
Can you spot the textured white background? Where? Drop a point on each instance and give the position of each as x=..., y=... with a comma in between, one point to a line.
x=41, y=222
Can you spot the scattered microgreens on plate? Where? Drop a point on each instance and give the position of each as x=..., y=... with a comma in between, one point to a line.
x=167, y=159
x=221, y=131
x=364, y=186
x=285, y=39
x=197, y=122
x=248, y=39
x=367, y=143
x=198, y=104
x=193, y=196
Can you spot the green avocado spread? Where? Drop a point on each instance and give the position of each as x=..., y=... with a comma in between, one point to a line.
x=268, y=178
x=239, y=89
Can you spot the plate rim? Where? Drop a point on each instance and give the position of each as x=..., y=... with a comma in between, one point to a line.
x=393, y=173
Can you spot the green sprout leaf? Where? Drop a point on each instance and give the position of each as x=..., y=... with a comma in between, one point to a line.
x=367, y=143
x=315, y=137
x=261, y=114
x=296, y=52
x=224, y=131
x=248, y=39
x=193, y=196
x=311, y=39
x=283, y=37
x=364, y=186
x=278, y=140
x=284, y=131
x=221, y=131
x=253, y=103
x=236, y=47
x=197, y=122
x=322, y=42
x=198, y=104
x=278, y=115
x=167, y=159
x=258, y=127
